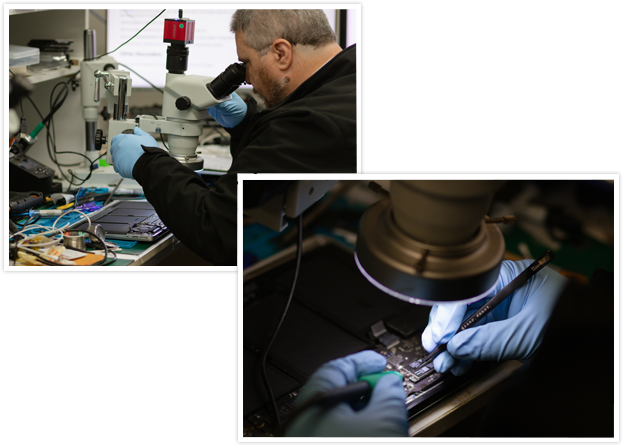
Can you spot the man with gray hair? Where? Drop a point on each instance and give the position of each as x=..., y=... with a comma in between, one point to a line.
x=307, y=123
x=307, y=85
x=296, y=43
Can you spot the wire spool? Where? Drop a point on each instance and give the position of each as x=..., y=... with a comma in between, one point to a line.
x=98, y=230
x=74, y=241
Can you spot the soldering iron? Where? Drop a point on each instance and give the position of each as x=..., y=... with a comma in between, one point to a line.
x=350, y=393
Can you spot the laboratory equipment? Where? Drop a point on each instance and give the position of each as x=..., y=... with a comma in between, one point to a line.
x=26, y=173
x=429, y=241
x=185, y=101
x=269, y=202
x=212, y=49
x=425, y=241
x=22, y=201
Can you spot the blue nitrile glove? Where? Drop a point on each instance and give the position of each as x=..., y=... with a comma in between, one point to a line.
x=385, y=415
x=513, y=330
x=126, y=149
x=231, y=113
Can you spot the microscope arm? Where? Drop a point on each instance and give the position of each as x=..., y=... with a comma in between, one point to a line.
x=89, y=92
x=184, y=106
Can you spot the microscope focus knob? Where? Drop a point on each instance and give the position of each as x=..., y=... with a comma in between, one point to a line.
x=183, y=103
x=100, y=139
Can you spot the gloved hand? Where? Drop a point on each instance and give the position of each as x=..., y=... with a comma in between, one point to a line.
x=126, y=149
x=231, y=113
x=513, y=330
x=385, y=415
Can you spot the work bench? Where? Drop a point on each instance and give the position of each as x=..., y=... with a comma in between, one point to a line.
x=133, y=253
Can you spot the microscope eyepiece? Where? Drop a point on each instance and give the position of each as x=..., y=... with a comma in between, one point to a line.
x=228, y=81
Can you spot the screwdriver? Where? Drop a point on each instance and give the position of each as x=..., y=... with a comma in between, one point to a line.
x=350, y=393
x=513, y=285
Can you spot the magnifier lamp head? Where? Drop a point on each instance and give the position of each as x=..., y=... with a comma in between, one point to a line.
x=397, y=263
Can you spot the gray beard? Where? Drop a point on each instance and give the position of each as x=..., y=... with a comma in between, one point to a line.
x=274, y=95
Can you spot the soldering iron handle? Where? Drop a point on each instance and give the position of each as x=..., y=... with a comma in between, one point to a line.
x=513, y=285
x=350, y=393
x=347, y=394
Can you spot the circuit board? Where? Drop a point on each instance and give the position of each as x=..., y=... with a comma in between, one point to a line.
x=327, y=319
x=404, y=356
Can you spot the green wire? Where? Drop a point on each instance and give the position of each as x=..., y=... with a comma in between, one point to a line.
x=110, y=52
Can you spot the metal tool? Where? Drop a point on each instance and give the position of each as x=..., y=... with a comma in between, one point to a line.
x=517, y=282
x=113, y=191
x=98, y=230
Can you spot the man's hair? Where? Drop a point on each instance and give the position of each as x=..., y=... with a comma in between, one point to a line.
x=261, y=27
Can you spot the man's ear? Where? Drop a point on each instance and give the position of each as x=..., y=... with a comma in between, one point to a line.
x=281, y=52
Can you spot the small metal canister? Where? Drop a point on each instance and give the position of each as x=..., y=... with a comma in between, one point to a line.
x=74, y=241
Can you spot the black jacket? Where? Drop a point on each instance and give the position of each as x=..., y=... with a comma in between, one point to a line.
x=314, y=130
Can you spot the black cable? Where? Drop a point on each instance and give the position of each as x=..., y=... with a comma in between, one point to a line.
x=55, y=105
x=296, y=273
x=34, y=218
x=44, y=260
x=161, y=138
x=73, y=176
x=159, y=89
x=48, y=122
x=99, y=239
x=104, y=262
